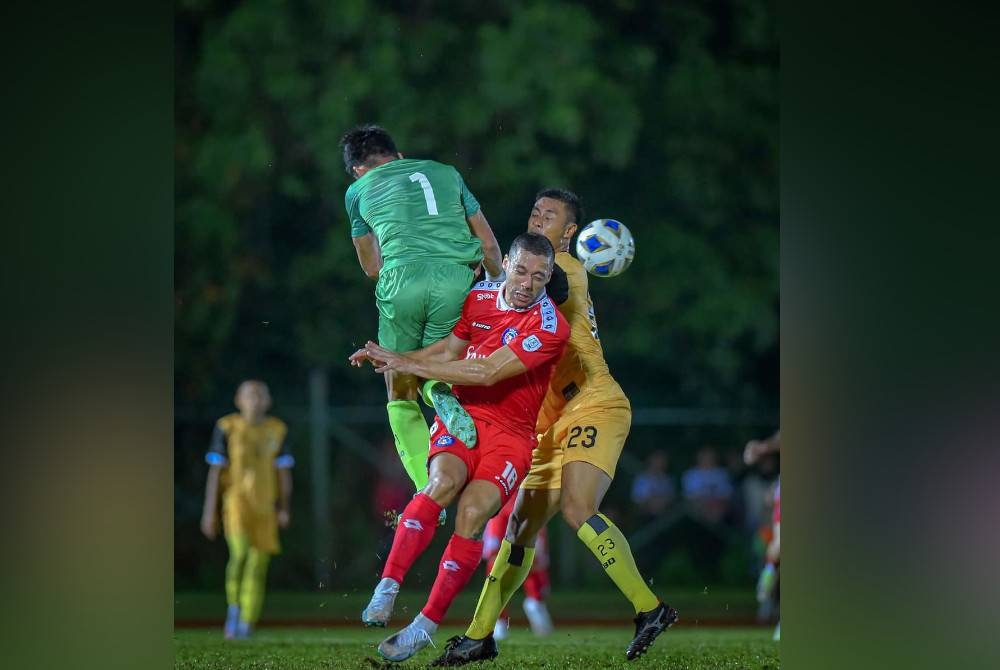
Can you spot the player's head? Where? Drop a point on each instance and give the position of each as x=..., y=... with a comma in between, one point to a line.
x=556, y=214
x=658, y=461
x=253, y=398
x=707, y=457
x=367, y=147
x=529, y=267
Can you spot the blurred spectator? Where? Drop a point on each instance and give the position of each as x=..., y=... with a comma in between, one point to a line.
x=706, y=487
x=738, y=472
x=653, y=491
x=755, y=488
x=768, y=583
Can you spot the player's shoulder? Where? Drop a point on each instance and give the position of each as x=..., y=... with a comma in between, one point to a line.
x=274, y=423
x=353, y=193
x=229, y=421
x=552, y=319
x=571, y=266
x=422, y=164
x=482, y=297
x=484, y=285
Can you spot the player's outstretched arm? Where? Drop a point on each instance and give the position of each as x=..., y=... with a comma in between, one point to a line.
x=501, y=364
x=757, y=449
x=369, y=254
x=447, y=349
x=492, y=255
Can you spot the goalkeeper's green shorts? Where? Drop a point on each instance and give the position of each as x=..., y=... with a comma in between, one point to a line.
x=419, y=303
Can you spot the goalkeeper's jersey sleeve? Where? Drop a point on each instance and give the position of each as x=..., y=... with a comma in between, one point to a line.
x=417, y=210
x=582, y=379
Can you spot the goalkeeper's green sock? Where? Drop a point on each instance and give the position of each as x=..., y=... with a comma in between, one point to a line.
x=509, y=571
x=412, y=438
x=611, y=548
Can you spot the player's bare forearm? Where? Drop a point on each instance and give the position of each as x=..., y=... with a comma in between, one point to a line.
x=285, y=484
x=447, y=349
x=284, y=512
x=212, y=489
x=757, y=449
x=209, y=518
x=437, y=352
x=369, y=254
x=500, y=365
x=492, y=255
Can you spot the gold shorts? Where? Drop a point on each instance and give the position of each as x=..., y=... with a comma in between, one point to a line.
x=261, y=529
x=595, y=436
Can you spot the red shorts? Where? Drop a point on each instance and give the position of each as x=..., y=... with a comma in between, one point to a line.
x=499, y=457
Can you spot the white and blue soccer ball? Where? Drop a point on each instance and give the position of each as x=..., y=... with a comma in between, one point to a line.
x=605, y=247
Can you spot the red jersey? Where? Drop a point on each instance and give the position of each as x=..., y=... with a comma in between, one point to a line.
x=537, y=335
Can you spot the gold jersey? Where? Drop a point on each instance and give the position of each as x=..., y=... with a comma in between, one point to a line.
x=250, y=455
x=582, y=381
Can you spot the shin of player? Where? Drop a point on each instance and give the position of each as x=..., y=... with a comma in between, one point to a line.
x=536, y=584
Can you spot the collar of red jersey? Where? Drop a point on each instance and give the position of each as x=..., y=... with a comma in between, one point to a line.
x=503, y=306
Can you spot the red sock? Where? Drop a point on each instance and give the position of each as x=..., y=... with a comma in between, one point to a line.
x=536, y=585
x=414, y=532
x=460, y=560
x=532, y=587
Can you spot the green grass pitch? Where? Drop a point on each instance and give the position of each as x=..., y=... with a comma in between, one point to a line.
x=574, y=648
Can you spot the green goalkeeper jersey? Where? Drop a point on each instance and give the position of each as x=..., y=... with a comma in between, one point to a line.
x=417, y=210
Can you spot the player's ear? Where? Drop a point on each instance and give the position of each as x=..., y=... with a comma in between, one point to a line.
x=505, y=262
x=570, y=231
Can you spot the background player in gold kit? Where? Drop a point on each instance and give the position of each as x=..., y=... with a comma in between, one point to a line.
x=584, y=421
x=250, y=462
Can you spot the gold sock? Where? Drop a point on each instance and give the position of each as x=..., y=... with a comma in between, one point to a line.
x=509, y=571
x=254, y=583
x=611, y=548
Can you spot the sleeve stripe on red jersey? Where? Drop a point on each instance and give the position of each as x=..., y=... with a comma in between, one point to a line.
x=548, y=312
x=486, y=286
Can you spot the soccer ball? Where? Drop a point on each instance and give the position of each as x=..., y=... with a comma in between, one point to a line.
x=605, y=247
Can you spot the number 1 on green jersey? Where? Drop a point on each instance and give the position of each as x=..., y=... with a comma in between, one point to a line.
x=432, y=206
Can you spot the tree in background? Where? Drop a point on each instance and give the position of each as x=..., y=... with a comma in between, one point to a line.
x=672, y=129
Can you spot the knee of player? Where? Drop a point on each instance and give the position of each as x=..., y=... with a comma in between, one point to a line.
x=576, y=512
x=404, y=393
x=442, y=487
x=472, y=517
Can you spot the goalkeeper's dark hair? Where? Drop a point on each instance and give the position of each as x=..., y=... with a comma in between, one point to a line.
x=363, y=144
x=572, y=201
x=533, y=243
